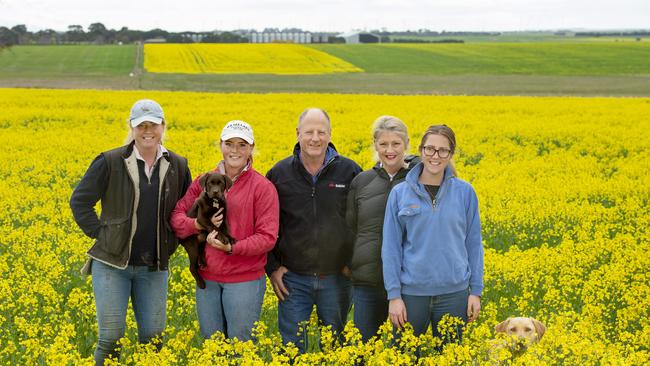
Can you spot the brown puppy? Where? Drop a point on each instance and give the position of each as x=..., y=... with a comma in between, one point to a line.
x=206, y=205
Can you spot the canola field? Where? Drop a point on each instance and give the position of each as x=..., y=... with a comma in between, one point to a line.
x=241, y=59
x=564, y=196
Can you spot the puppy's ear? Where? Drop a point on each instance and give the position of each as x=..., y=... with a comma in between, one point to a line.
x=227, y=181
x=203, y=180
x=539, y=328
x=501, y=327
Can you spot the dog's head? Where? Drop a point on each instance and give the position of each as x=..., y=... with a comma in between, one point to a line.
x=215, y=185
x=528, y=329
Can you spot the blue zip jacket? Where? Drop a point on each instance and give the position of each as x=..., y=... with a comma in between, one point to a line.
x=428, y=248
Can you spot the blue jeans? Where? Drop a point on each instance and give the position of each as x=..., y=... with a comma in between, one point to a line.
x=230, y=308
x=423, y=311
x=370, y=309
x=330, y=294
x=112, y=288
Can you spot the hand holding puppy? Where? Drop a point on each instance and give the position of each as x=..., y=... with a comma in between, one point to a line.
x=215, y=243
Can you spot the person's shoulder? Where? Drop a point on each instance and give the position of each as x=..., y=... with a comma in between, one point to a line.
x=348, y=163
x=118, y=151
x=283, y=163
x=364, y=176
x=462, y=185
x=177, y=158
x=258, y=178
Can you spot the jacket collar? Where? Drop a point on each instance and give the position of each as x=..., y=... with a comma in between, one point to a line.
x=128, y=150
x=410, y=160
x=221, y=169
x=414, y=175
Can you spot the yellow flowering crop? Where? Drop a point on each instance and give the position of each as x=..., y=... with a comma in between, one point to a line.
x=241, y=59
x=564, y=195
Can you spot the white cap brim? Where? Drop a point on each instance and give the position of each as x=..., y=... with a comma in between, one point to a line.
x=233, y=135
x=136, y=121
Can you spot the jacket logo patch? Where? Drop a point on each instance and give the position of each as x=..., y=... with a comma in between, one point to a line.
x=334, y=185
x=414, y=206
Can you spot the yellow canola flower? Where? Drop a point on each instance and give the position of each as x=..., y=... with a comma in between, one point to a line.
x=563, y=190
x=241, y=59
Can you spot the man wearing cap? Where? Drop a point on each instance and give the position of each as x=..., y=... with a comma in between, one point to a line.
x=231, y=301
x=138, y=185
x=307, y=264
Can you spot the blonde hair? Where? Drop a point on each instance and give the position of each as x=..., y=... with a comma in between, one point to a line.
x=390, y=124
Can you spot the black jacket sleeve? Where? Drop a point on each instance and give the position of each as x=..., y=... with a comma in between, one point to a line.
x=90, y=189
x=273, y=261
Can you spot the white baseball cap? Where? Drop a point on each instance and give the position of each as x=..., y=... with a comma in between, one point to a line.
x=237, y=128
x=146, y=110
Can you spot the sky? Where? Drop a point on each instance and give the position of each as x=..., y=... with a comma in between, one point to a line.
x=330, y=15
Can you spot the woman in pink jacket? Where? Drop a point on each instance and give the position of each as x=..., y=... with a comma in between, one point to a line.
x=235, y=280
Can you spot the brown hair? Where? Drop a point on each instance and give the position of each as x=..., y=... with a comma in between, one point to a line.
x=442, y=130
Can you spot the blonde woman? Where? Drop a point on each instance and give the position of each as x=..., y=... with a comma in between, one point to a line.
x=138, y=185
x=365, y=216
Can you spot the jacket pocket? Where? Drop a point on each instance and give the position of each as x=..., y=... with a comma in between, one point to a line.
x=410, y=211
x=114, y=235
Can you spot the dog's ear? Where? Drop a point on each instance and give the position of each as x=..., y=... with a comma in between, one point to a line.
x=539, y=328
x=227, y=182
x=203, y=180
x=501, y=327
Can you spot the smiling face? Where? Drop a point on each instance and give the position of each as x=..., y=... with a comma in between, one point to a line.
x=236, y=153
x=147, y=135
x=431, y=150
x=390, y=149
x=314, y=135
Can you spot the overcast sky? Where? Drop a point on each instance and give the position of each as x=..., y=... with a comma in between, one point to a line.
x=329, y=15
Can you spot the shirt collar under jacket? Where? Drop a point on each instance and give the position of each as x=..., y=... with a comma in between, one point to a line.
x=221, y=168
x=148, y=169
x=330, y=154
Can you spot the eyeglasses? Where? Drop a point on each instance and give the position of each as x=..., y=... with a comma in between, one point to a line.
x=443, y=152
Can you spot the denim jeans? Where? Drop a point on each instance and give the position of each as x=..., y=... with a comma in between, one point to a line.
x=230, y=308
x=331, y=295
x=423, y=311
x=112, y=288
x=370, y=309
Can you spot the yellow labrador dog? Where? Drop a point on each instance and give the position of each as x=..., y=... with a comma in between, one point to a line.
x=528, y=329
x=522, y=333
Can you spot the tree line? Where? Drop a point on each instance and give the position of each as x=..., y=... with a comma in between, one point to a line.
x=97, y=33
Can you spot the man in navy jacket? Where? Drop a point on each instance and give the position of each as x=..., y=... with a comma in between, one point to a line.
x=308, y=263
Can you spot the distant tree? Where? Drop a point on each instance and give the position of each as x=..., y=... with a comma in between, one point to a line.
x=46, y=36
x=75, y=34
x=8, y=37
x=224, y=37
x=24, y=36
x=20, y=29
x=98, y=33
x=155, y=33
x=179, y=38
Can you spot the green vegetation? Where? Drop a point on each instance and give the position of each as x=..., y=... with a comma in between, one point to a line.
x=69, y=60
x=568, y=68
x=567, y=58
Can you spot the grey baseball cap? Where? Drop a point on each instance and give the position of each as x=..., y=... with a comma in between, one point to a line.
x=146, y=110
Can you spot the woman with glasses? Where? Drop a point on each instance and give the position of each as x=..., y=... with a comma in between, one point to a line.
x=235, y=281
x=431, y=251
